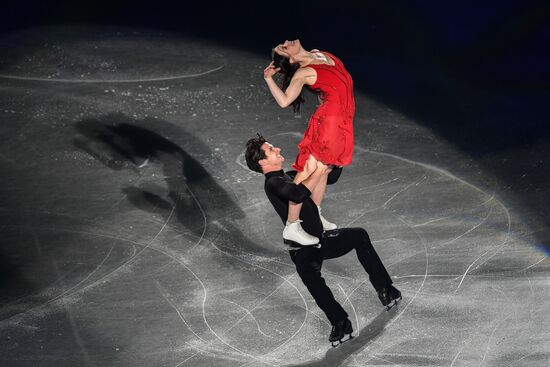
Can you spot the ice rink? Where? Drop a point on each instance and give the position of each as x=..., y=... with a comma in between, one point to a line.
x=134, y=235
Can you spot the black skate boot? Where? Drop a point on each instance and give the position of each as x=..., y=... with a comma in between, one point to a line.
x=389, y=296
x=338, y=332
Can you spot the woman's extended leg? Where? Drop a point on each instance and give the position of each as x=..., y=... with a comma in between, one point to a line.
x=309, y=168
x=319, y=191
x=293, y=231
x=317, y=196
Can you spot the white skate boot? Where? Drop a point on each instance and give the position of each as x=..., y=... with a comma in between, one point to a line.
x=294, y=234
x=327, y=226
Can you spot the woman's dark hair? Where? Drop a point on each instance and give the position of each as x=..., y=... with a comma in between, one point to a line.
x=287, y=71
x=254, y=153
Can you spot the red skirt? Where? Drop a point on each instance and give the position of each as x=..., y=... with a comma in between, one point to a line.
x=329, y=137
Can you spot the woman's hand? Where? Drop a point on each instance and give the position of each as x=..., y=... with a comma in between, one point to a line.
x=270, y=70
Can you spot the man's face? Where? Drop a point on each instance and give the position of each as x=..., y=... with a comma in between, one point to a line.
x=273, y=155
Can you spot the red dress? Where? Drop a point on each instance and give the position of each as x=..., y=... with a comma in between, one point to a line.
x=329, y=135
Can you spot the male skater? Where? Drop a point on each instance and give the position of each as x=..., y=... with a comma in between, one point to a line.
x=264, y=158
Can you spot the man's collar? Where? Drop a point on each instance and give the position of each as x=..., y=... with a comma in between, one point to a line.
x=274, y=173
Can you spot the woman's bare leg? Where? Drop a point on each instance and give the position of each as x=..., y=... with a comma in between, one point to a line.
x=295, y=208
x=317, y=196
x=318, y=192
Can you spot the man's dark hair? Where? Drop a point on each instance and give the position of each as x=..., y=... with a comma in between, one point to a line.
x=254, y=153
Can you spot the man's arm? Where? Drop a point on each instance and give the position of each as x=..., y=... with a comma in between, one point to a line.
x=333, y=176
x=315, y=177
x=296, y=192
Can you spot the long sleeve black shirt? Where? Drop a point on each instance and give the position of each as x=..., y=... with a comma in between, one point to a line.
x=280, y=189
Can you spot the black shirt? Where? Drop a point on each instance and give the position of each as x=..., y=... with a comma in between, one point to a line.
x=280, y=189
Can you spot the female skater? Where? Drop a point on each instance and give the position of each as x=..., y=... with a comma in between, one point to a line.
x=329, y=135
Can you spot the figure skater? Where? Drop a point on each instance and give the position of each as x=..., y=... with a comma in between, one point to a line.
x=328, y=138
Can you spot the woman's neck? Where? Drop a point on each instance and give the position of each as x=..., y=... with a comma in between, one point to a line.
x=304, y=58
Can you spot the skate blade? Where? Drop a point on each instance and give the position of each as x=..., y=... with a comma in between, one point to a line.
x=295, y=244
x=393, y=303
x=342, y=341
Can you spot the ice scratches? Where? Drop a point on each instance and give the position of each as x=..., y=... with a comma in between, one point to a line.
x=148, y=245
x=70, y=317
x=471, y=229
x=74, y=289
x=362, y=189
x=205, y=223
x=248, y=263
x=463, y=234
x=424, y=275
x=496, y=251
x=534, y=300
x=457, y=354
x=285, y=280
x=361, y=216
x=385, y=360
x=107, y=276
x=251, y=315
x=430, y=222
x=111, y=81
x=488, y=347
x=429, y=167
x=212, y=351
x=532, y=265
x=489, y=197
x=471, y=335
x=385, y=205
x=417, y=359
x=165, y=295
x=468, y=269
x=87, y=277
x=509, y=229
x=185, y=360
x=254, y=265
x=204, y=305
x=352, y=307
x=425, y=272
x=242, y=318
x=239, y=160
x=257, y=305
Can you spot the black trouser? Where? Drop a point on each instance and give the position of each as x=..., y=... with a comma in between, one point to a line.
x=336, y=243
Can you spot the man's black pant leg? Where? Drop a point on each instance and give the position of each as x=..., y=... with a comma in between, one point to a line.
x=339, y=242
x=308, y=263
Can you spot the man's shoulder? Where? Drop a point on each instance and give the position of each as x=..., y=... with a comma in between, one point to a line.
x=291, y=174
x=271, y=179
x=276, y=180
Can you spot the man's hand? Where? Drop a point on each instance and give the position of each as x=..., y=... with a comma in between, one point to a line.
x=270, y=70
x=311, y=165
x=323, y=168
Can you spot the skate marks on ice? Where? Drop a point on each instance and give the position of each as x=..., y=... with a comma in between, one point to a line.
x=443, y=238
x=210, y=221
x=361, y=341
x=107, y=81
x=186, y=269
x=99, y=55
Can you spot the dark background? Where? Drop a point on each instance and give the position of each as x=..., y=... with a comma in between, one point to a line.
x=476, y=73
